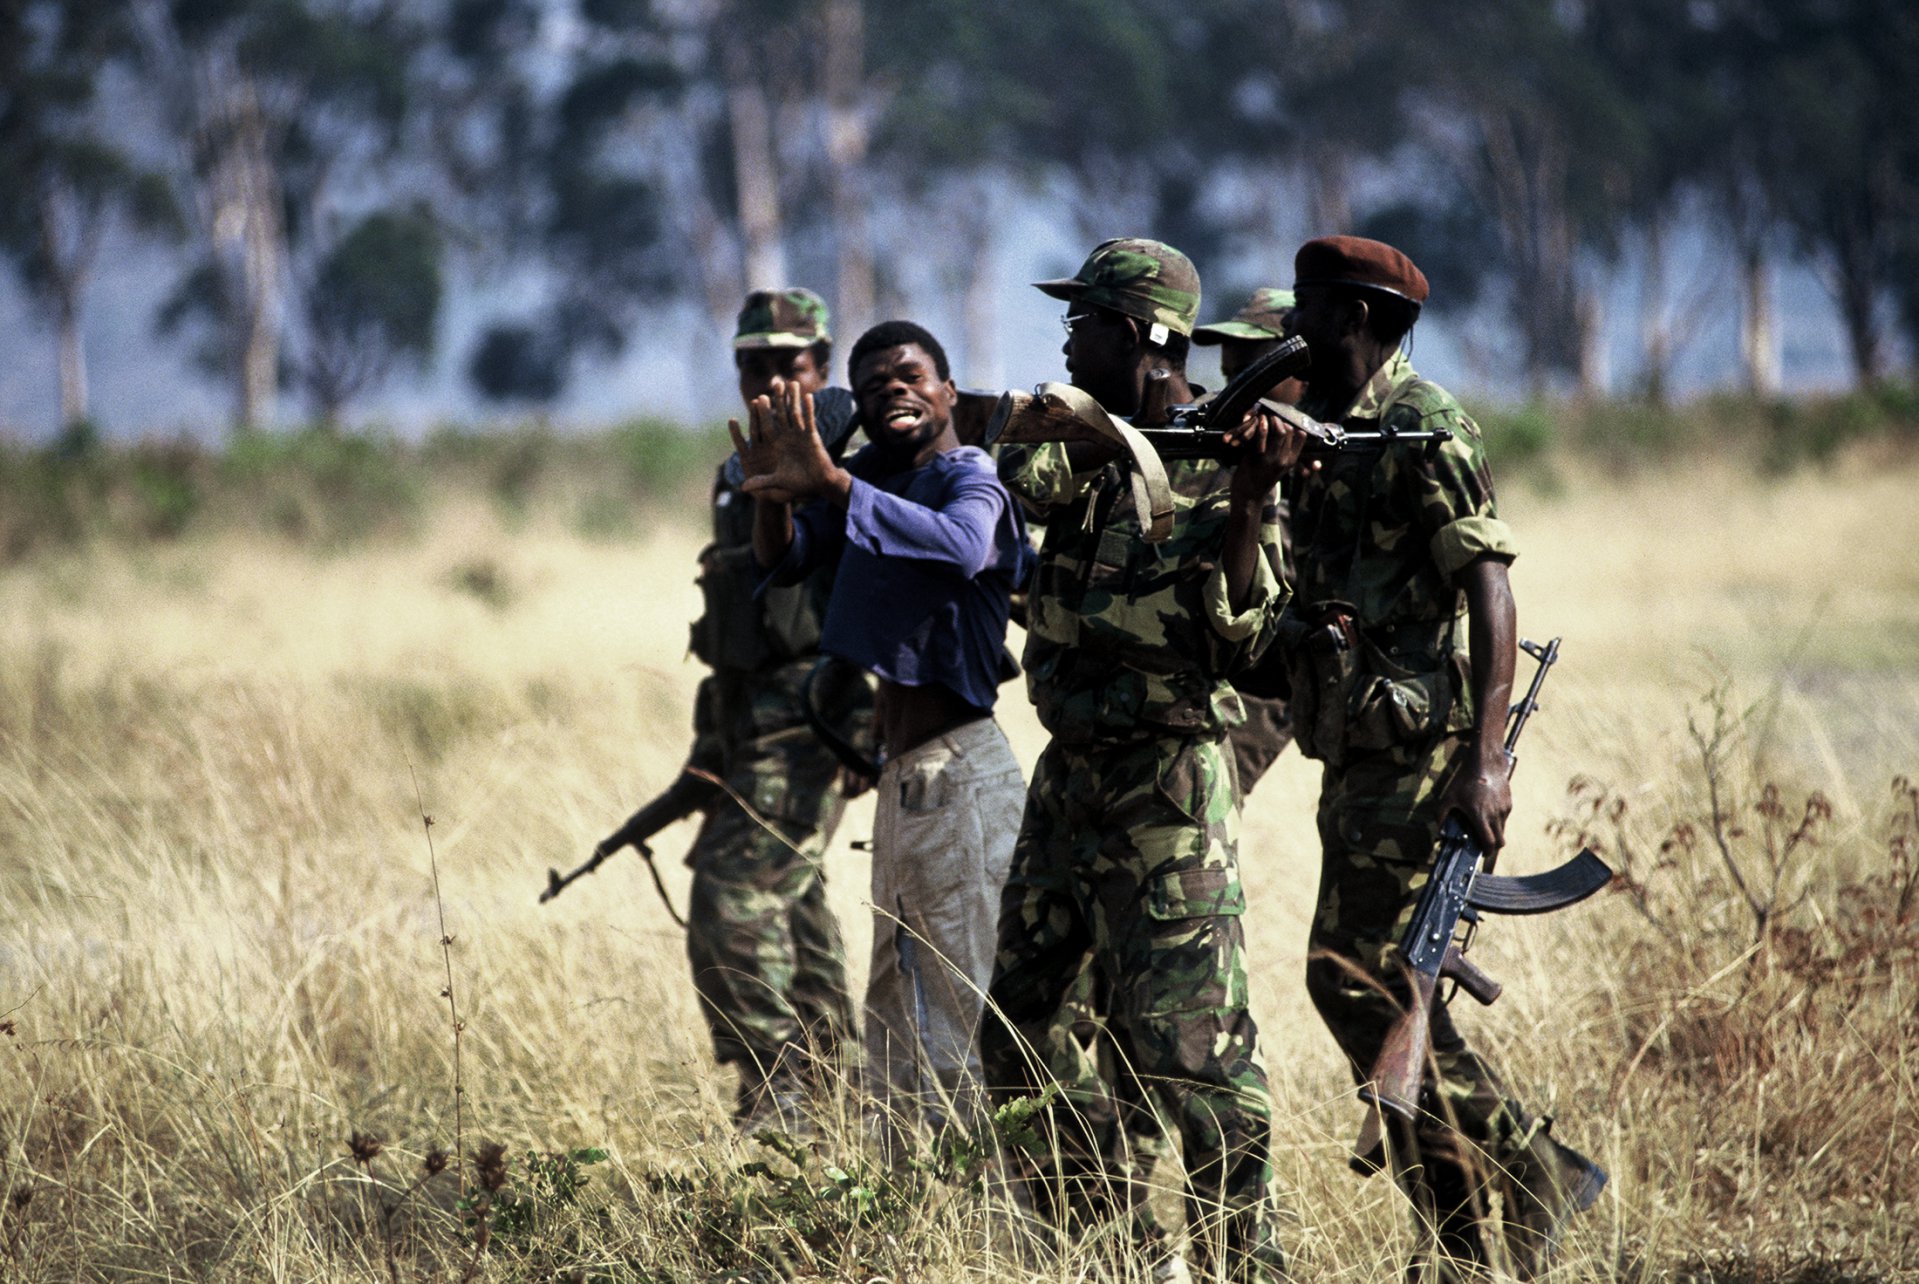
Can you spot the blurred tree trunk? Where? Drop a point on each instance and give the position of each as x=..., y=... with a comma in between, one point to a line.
x=1328, y=174
x=1853, y=272
x=250, y=247
x=1656, y=345
x=73, y=364
x=1524, y=168
x=756, y=176
x=980, y=331
x=1758, y=330
x=847, y=141
x=68, y=242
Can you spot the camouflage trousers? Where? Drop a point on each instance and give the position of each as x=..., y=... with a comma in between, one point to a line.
x=768, y=962
x=1126, y=871
x=1476, y=1151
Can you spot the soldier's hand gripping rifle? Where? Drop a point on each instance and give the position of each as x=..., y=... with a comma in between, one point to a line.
x=1458, y=890
x=682, y=798
x=1061, y=412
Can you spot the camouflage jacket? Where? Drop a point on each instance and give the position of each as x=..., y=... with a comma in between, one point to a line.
x=1380, y=535
x=1126, y=638
x=760, y=651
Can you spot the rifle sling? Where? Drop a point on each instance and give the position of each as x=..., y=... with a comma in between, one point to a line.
x=1152, y=493
x=659, y=884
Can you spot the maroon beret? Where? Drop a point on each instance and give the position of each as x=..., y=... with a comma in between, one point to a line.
x=1354, y=260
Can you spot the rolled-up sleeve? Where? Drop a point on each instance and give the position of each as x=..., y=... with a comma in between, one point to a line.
x=1456, y=544
x=1262, y=604
x=1249, y=630
x=1454, y=497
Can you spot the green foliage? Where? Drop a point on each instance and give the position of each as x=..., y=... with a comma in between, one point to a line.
x=548, y=1183
x=1517, y=437
x=660, y=457
x=323, y=486
x=168, y=481
x=1772, y=436
x=375, y=304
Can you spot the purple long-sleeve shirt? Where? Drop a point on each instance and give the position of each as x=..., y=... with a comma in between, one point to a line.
x=929, y=558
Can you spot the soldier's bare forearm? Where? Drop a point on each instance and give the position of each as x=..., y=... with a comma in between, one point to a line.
x=1241, y=554
x=1492, y=633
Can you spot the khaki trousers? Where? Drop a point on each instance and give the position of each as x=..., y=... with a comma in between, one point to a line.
x=947, y=816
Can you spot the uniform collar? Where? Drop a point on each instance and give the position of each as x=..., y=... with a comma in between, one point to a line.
x=1375, y=396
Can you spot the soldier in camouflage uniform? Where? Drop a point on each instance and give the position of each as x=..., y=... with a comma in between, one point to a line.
x=1254, y=331
x=1126, y=854
x=768, y=962
x=1395, y=546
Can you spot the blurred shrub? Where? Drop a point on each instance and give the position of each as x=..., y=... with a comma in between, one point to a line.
x=662, y=458
x=1773, y=435
x=321, y=485
x=328, y=488
x=1517, y=437
x=484, y=579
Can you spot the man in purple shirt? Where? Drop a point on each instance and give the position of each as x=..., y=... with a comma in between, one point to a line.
x=930, y=548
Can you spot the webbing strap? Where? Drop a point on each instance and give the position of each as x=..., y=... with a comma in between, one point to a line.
x=1152, y=493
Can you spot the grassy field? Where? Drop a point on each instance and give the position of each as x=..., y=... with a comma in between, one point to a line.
x=221, y=915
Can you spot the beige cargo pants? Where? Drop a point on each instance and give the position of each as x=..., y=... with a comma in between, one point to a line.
x=948, y=813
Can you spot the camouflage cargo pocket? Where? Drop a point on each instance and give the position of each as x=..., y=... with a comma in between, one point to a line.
x=1200, y=781
x=1194, y=893
x=1194, y=960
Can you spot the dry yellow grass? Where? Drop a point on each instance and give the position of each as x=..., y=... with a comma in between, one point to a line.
x=220, y=954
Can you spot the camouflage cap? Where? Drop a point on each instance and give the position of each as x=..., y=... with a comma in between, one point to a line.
x=1263, y=317
x=791, y=318
x=1146, y=279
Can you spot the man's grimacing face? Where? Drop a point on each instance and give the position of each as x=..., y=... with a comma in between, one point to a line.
x=904, y=403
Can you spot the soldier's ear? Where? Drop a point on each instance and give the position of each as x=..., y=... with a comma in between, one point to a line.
x=1358, y=313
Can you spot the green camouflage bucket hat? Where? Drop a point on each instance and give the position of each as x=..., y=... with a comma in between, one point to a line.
x=1139, y=278
x=794, y=318
x=1264, y=317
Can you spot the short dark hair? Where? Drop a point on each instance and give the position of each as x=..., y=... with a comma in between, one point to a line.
x=898, y=334
x=1388, y=317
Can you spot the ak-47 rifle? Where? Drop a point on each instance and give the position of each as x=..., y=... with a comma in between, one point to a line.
x=1061, y=412
x=682, y=798
x=1458, y=890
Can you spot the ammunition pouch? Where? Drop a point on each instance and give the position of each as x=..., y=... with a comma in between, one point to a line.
x=1358, y=691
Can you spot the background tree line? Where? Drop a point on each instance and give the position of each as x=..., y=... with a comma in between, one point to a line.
x=319, y=172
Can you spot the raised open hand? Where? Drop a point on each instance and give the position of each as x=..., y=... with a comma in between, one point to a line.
x=785, y=460
x=755, y=445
